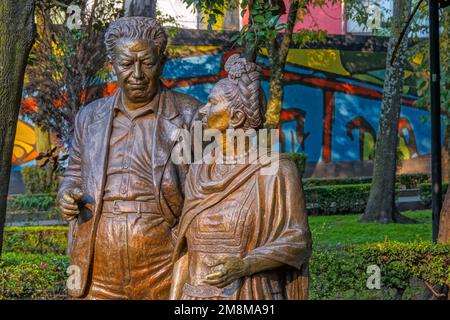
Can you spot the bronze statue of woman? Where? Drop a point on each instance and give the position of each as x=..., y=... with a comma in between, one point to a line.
x=242, y=234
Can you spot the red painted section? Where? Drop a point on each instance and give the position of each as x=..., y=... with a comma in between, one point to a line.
x=328, y=114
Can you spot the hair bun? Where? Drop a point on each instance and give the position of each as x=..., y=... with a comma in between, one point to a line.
x=235, y=66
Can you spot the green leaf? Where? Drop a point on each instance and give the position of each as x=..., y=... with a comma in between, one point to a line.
x=259, y=19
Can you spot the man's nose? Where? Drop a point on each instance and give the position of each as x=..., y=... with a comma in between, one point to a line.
x=137, y=73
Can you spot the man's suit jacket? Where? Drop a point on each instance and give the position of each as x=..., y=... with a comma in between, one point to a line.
x=88, y=163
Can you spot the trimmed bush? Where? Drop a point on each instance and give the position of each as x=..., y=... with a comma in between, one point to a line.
x=425, y=193
x=39, y=180
x=408, y=181
x=40, y=240
x=335, y=272
x=33, y=276
x=337, y=199
x=31, y=202
x=413, y=180
x=341, y=273
x=323, y=182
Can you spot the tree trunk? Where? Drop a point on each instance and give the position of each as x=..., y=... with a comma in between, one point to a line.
x=444, y=224
x=17, y=33
x=278, y=58
x=141, y=8
x=381, y=204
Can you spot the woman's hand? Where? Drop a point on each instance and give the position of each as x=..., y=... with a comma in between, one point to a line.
x=230, y=270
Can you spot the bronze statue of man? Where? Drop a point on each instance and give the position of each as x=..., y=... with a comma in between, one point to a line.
x=121, y=192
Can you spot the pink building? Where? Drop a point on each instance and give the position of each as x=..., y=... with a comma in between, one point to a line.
x=331, y=17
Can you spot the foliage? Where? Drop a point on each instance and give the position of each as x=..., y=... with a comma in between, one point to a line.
x=413, y=180
x=40, y=240
x=39, y=180
x=408, y=181
x=32, y=276
x=338, y=230
x=425, y=193
x=67, y=66
x=31, y=202
x=420, y=56
x=265, y=30
x=337, y=199
x=315, y=182
x=336, y=271
x=300, y=161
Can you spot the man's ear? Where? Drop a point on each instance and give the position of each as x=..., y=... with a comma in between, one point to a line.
x=237, y=119
x=110, y=61
x=162, y=61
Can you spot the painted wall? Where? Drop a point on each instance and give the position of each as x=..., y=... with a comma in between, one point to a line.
x=329, y=18
x=331, y=104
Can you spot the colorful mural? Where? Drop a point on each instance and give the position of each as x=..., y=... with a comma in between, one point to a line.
x=331, y=105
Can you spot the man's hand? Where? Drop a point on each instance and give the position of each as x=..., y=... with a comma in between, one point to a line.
x=231, y=269
x=68, y=204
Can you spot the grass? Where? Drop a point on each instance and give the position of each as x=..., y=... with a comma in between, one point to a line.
x=345, y=229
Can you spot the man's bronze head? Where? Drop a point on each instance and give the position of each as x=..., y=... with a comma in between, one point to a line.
x=136, y=46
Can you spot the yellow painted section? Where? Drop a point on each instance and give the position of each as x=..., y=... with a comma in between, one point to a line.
x=320, y=59
x=191, y=50
x=24, y=144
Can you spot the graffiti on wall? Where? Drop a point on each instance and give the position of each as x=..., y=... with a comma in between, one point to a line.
x=331, y=102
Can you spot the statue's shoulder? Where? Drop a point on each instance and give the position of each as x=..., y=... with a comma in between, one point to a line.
x=185, y=104
x=97, y=106
x=184, y=101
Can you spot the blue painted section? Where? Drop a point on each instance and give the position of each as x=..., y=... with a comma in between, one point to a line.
x=192, y=66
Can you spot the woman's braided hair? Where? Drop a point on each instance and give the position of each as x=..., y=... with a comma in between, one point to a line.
x=243, y=91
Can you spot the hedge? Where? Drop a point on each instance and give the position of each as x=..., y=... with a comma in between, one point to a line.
x=335, y=273
x=342, y=272
x=31, y=202
x=33, y=276
x=338, y=199
x=425, y=193
x=408, y=181
x=33, y=240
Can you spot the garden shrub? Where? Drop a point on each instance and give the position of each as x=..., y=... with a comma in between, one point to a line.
x=413, y=180
x=425, y=193
x=33, y=276
x=39, y=180
x=408, y=181
x=335, y=272
x=318, y=182
x=40, y=239
x=337, y=199
x=341, y=272
x=31, y=202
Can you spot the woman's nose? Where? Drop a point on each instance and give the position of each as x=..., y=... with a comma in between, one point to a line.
x=204, y=110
